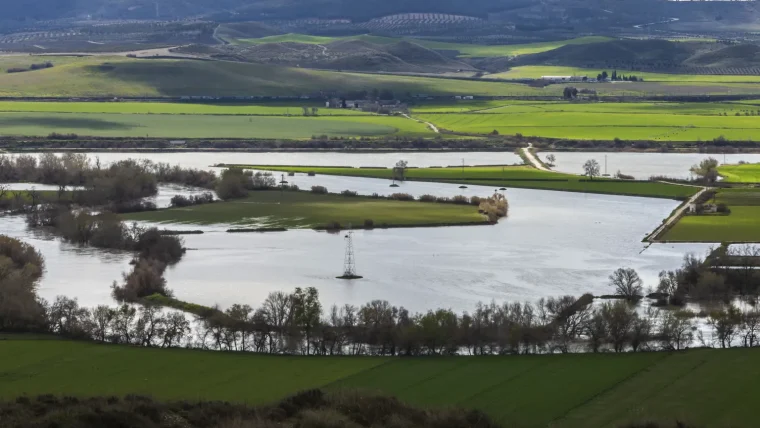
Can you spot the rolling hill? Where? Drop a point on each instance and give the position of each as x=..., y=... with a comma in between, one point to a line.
x=341, y=54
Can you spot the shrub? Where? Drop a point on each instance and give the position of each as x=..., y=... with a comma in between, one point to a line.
x=369, y=224
x=622, y=176
x=475, y=200
x=311, y=173
x=460, y=199
x=233, y=184
x=349, y=193
x=443, y=199
x=427, y=198
x=723, y=209
x=402, y=197
x=333, y=225
x=375, y=196
x=320, y=190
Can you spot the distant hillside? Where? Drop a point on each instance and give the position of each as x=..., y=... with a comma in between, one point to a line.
x=659, y=55
x=731, y=56
x=615, y=52
x=358, y=55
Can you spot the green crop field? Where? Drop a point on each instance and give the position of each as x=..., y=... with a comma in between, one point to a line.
x=206, y=126
x=741, y=225
x=536, y=71
x=464, y=49
x=507, y=176
x=305, y=210
x=744, y=173
x=122, y=77
x=564, y=391
x=294, y=108
x=607, y=121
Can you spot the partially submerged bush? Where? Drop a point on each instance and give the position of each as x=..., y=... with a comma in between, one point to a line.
x=402, y=197
x=428, y=198
x=320, y=190
x=349, y=193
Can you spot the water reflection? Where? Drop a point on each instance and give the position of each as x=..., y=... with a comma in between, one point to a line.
x=643, y=165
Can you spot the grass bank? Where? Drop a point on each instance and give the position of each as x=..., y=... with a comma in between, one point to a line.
x=507, y=176
x=579, y=390
x=307, y=210
x=741, y=225
x=743, y=173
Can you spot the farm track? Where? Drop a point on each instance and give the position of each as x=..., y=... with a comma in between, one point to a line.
x=532, y=158
x=430, y=125
x=675, y=216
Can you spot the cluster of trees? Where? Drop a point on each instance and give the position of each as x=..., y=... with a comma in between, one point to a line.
x=728, y=272
x=179, y=201
x=32, y=67
x=119, y=183
x=706, y=171
x=615, y=77
x=235, y=183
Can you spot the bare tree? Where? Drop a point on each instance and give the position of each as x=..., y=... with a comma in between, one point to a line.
x=399, y=170
x=591, y=168
x=627, y=283
x=550, y=159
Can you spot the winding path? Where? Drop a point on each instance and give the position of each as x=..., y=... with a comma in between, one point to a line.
x=532, y=158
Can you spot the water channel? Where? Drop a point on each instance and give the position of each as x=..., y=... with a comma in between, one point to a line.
x=552, y=243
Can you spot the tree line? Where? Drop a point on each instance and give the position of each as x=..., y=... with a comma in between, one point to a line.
x=298, y=323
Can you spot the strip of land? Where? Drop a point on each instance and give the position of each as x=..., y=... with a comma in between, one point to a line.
x=577, y=390
x=505, y=176
x=740, y=225
x=290, y=209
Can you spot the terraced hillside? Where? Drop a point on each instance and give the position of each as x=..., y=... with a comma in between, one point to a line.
x=580, y=390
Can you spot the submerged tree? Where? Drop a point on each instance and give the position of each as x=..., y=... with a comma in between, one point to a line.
x=550, y=159
x=627, y=283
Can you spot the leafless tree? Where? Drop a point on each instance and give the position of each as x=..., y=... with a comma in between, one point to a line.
x=627, y=283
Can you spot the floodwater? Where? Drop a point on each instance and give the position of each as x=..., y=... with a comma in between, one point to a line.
x=419, y=159
x=552, y=243
x=642, y=165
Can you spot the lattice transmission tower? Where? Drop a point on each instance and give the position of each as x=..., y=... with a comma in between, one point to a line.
x=349, y=261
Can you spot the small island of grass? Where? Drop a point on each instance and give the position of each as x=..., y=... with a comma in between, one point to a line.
x=298, y=209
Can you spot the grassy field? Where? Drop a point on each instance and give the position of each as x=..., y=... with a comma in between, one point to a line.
x=206, y=126
x=741, y=225
x=565, y=391
x=744, y=173
x=508, y=176
x=603, y=121
x=122, y=77
x=294, y=108
x=464, y=49
x=305, y=210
